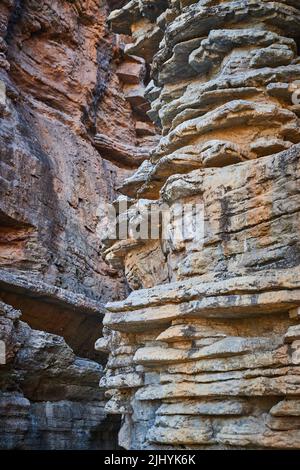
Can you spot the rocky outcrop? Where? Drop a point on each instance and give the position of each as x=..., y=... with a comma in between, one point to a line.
x=59, y=58
x=60, y=85
x=204, y=353
x=40, y=366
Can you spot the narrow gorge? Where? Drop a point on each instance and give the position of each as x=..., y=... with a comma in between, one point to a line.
x=139, y=109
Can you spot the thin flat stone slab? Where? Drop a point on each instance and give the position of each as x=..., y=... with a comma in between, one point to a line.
x=231, y=306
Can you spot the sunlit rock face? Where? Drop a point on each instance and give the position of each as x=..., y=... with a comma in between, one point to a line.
x=204, y=353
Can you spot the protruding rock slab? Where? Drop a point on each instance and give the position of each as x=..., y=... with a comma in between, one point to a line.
x=205, y=352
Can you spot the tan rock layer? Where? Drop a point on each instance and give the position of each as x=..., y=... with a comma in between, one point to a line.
x=204, y=353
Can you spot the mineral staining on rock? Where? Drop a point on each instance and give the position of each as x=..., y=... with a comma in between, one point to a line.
x=59, y=87
x=204, y=353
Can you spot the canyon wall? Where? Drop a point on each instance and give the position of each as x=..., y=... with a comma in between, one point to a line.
x=190, y=110
x=204, y=353
x=60, y=86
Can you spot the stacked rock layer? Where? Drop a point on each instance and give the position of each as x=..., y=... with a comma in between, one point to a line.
x=61, y=83
x=205, y=352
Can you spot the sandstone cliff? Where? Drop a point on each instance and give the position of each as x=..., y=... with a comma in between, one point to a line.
x=59, y=87
x=174, y=104
x=204, y=353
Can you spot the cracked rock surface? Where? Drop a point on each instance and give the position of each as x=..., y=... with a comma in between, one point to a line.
x=204, y=353
x=60, y=86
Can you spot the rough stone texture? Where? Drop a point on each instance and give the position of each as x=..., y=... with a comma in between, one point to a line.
x=53, y=181
x=64, y=78
x=40, y=367
x=204, y=353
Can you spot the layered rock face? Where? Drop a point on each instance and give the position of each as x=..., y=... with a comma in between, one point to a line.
x=60, y=85
x=49, y=398
x=204, y=353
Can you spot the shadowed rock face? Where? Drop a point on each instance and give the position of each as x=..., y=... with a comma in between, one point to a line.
x=59, y=60
x=204, y=353
x=59, y=87
x=49, y=398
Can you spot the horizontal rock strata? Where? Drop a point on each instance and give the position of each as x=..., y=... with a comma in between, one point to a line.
x=204, y=353
x=64, y=79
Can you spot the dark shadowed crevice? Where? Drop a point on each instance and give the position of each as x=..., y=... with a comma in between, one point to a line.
x=80, y=330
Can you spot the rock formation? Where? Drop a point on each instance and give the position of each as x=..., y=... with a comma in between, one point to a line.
x=204, y=353
x=190, y=110
x=49, y=397
x=60, y=86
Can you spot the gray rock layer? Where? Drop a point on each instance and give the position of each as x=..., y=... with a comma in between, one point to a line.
x=44, y=390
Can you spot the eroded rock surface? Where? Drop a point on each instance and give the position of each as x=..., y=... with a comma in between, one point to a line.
x=204, y=353
x=40, y=367
x=60, y=85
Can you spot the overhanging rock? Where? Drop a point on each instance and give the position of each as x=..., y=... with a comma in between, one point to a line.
x=204, y=353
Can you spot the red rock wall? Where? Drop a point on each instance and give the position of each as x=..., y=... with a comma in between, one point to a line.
x=59, y=87
x=58, y=69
